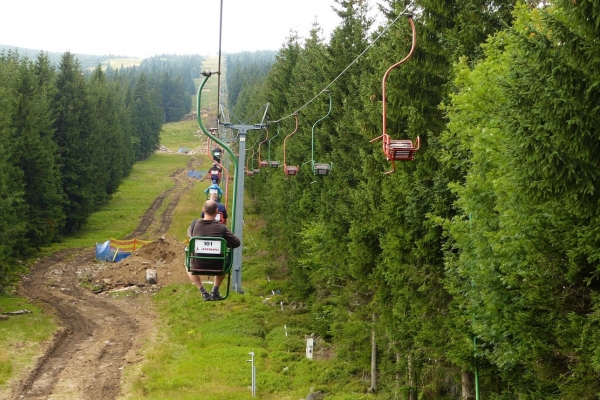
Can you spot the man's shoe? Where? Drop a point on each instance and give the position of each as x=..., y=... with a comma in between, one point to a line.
x=206, y=296
x=216, y=296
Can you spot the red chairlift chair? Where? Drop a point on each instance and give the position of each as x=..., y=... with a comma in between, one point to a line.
x=404, y=149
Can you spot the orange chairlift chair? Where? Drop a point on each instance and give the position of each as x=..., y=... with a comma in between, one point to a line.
x=249, y=172
x=397, y=150
x=290, y=169
x=254, y=170
x=263, y=163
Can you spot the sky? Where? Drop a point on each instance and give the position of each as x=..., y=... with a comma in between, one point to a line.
x=144, y=28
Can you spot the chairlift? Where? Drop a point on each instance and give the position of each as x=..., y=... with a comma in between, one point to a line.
x=320, y=168
x=263, y=163
x=216, y=254
x=404, y=149
x=249, y=171
x=214, y=189
x=215, y=173
x=273, y=164
x=216, y=153
x=224, y=253
x=290, y=169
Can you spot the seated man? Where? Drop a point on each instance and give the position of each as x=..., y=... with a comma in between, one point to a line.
x=215, y=173
x=214, y=188
x=210, y=227
x=222, y=211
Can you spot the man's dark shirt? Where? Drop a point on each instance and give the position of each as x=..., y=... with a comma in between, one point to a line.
x=214, y=229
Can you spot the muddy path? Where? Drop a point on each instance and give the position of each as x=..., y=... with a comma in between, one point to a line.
x=182, y=184
x=99, y=336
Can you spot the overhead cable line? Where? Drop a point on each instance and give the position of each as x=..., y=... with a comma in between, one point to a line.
x=219, y=66
x=345, y=69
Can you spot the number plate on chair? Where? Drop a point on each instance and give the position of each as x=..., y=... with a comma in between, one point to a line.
x=207, y=247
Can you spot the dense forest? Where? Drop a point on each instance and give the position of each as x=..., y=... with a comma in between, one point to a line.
x=68, y=138
x=246, y=69
x=479, y=260
x=172, y=75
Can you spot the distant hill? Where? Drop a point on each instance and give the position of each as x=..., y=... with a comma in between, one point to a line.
x=87, y=61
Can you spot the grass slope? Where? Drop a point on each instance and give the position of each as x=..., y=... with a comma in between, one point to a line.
x=204, y=346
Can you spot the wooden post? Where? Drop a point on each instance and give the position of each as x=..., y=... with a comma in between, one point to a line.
x=412, y=393
x=467, y=385
x=397, y=376
x=373, y=358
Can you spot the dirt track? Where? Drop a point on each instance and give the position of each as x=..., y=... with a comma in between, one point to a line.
x=100, y=335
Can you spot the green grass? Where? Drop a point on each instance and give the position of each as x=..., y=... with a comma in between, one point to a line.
x=21, y=336
x=203, y=347
x=181, y=134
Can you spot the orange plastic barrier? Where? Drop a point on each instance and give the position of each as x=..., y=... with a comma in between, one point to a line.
x=128, y=245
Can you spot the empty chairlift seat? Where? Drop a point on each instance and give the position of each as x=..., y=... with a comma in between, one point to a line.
x=402, y=150
x=290, y=169
x=321, y=169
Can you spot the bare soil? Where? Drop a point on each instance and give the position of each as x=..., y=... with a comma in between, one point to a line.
x=101, y=333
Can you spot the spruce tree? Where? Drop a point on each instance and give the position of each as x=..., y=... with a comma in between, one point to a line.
x=71, y=136
x=35, y=153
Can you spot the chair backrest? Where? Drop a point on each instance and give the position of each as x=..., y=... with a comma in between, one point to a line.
x=321, y=169
x=221, y=218
x=216, y=191
x=290, y=169
x=213, y=250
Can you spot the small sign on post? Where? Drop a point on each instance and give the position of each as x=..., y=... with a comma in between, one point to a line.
x=310, y=344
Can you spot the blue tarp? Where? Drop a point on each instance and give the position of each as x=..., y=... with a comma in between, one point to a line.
x=106, y=253
x=196, y=173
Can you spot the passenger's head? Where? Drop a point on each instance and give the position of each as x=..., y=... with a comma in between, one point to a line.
x=214, y=196
x=210, y=208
